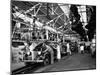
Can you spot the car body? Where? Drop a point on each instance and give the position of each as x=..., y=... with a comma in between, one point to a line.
x=42, y=53
x=17, y=51
x=63, y=49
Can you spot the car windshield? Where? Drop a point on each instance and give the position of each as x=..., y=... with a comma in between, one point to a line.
x=40, y=47
x=16, y=44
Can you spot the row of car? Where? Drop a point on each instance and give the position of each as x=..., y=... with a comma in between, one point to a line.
x=44, y=52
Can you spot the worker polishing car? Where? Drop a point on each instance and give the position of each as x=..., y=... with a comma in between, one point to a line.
x=42, y=53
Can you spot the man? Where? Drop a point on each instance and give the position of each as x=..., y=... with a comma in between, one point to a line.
x=82, y=48
x=58, y=52
x=93, y=46
x=68, y=48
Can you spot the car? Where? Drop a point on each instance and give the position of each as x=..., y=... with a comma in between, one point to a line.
x=74, y=46
x=17, y=51
x=42, y=53
x=63, y=49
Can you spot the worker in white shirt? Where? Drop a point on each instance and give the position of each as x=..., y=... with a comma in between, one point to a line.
x=81, y=48
x=93, y=45
x=58, y=52
x=68, y=48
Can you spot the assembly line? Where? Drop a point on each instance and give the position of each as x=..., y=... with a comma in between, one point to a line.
x=50, y=35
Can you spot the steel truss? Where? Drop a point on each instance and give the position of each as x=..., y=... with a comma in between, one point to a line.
x=54, y=20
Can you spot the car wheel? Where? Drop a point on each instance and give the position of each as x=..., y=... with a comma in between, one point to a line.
x=46, y=60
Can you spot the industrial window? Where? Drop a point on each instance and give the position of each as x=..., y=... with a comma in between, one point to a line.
x=82, y=12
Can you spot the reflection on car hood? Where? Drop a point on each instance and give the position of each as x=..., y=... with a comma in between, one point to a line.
x=19, y=47
x=32, y=46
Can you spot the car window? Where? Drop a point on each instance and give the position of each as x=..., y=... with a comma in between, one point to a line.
x=38, y=47
x=16, y=44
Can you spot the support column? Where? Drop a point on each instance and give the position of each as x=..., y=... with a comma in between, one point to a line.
x=47, y=37
x=58, y=49
x=58, y=52
x=63, y=39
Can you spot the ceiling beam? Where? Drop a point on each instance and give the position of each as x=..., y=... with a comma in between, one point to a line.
x=40, y=10
x=27, y=11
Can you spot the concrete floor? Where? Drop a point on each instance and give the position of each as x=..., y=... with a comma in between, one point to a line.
x=73, y=62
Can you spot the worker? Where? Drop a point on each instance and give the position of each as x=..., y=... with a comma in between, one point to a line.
x=58, y=52
x=82, y=48
x=68, y=48
x=78, y=47
x=26, y=45
x=93, y=46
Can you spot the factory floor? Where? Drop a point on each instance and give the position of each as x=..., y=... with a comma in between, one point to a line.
x=70, y=63
x=18, y=65
x=73, y=62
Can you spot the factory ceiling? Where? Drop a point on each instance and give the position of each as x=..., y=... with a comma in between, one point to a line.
x=48, y=12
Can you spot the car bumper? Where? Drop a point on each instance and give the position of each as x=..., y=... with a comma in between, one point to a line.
x=35, y=61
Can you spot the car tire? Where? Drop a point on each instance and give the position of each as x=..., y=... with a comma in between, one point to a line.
x=46, y=60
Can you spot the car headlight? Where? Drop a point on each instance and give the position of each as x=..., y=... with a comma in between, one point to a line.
x=28, y=53
x=39, y=52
